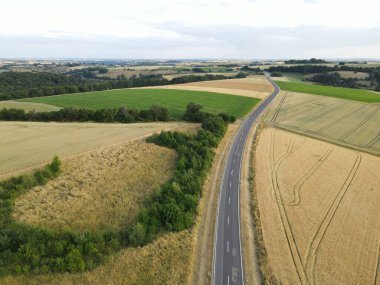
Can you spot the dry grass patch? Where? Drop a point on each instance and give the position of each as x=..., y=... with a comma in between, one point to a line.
x=319, y=210
x=349, y=123
x=255, y=86
x=29, y=144
x=100, y=190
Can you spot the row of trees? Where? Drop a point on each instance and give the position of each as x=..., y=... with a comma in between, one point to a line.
x=73, y=114
x=15, y=85
x=30, y=249
x=305, y=61
x=334, y=79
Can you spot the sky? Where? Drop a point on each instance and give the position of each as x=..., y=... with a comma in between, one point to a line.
x=206, y=29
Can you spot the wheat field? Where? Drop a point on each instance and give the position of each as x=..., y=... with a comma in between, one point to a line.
x=29, y=144
x=319, y=208
x=345, y=122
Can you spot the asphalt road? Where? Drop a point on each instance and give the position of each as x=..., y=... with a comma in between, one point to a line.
x=228, y=263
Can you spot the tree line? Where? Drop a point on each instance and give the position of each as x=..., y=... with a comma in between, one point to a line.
x=26, y=249
x=16, y=85
x=74, y=114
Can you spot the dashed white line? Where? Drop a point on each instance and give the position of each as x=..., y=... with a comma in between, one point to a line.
x=229, y=200
x=228, y=246
x=228, y=280
x=230, y=184
x=232, y=172
x=228, y=220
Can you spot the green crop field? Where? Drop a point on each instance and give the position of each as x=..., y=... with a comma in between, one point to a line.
x=337, y=92
x=343, y=122
x=175, y=100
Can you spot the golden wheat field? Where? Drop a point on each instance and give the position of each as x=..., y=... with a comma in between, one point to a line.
x=100, y=190
x=349, y=123
x=255, y=86
x=28, y=144
x=319, y=206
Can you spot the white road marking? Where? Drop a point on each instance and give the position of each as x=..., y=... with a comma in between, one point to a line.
x=228, y=220
x=229, y=200
x=228, y=280
x=230, y=184
x=228, y=246
x=232, y=172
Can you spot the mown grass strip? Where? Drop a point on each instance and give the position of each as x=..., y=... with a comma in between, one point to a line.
x=337, y=92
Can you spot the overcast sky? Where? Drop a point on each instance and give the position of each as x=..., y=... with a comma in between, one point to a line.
x=247, y=29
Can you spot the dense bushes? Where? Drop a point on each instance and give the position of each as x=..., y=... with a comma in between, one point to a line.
x=25, y=248
x=173, y=206
x=16, y=186
x=30, y=249
x=195, y=114
x=72, y=114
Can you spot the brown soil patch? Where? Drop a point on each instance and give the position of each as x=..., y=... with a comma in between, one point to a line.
x=100, y=190
x=319, y=209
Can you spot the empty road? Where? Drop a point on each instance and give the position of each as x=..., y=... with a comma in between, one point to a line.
x=228, y=264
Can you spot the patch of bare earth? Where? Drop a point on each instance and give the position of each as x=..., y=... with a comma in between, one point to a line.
x=319, y=208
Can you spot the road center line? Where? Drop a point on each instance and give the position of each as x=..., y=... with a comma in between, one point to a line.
x=228, y=280
x=232, y=172
x=229, y=200
x=228, y=246
x=228, y=220
x=230, y=184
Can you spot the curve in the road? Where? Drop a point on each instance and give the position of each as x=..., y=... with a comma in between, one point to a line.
x=228, y=261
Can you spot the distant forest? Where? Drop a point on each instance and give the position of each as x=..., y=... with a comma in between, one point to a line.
x=17, y=85
x=305, y=61
x=328, y=74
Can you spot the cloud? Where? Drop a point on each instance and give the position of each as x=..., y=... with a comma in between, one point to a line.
x=190, y=28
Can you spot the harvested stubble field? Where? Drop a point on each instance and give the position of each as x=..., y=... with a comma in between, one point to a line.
x=100, y=190
x=255, y=86
x=345, y=122
x=27, y=144
x=143, y=98
x=319, y=208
